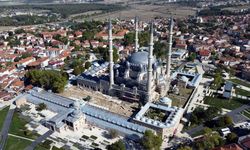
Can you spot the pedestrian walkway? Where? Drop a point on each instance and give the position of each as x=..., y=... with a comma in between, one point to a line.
x=20, y=137
x=39, y=140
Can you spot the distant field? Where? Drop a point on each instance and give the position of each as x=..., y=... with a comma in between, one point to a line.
x=67, y=9
x=147, y=12
x=237, y=7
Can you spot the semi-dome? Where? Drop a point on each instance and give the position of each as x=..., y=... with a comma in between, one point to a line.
x=140, y=57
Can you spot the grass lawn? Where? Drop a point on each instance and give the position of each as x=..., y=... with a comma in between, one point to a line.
x=3, y=114
x=14, y=143
x=224, y=103
x=40, y=148
x=240, y=82
x=239, y=91
x=18, y=127
x=198, y=133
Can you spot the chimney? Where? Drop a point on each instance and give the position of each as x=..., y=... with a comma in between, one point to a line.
x=150, y=58
x=111, y=63
x=169, y=53
x=136, y=34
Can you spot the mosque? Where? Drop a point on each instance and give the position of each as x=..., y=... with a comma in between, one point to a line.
x=140, y=77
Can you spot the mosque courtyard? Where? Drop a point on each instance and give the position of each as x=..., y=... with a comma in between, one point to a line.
x=100, y=100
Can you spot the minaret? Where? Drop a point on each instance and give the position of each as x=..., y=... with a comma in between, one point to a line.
x=169, y=53
x=150, y=59
x=111, y=63
x=136, y=34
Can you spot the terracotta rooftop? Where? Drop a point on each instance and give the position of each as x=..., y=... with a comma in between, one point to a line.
x=229, y=147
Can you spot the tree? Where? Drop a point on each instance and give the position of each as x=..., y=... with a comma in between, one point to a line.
x=212, y=112
x=87, y=65
x=88, y=98
x=218, y=78
x=78, y=70
x=150, y=141
x=232, y=138
x=129, y=38
x=207, y=131
x=144, y=38
x=160, y=49
x=87, y=56
x=194, y=119
x=209, y=141
x=47, y=79
x=113, y=133
x=184, y=148
x=227, y=120
x=191, y=57
x=119, y=145
x=41, y=106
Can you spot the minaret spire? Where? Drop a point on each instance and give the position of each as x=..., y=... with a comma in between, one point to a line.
x=111, y=63
x=169, y=53
x=136, y=34
x=150, y=59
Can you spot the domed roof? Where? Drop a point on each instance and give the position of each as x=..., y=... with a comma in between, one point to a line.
x=140, y=57
x=165, y=100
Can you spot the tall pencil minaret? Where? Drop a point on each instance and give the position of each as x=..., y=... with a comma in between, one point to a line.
x=150, y=61
x=111, y=63
x=136, y=34
x=169, y=53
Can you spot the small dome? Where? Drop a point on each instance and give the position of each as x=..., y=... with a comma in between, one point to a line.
x=184, y=78
x=165, y=100
x=140, y=57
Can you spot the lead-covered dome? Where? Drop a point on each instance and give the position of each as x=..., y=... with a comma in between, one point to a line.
x=140, y=57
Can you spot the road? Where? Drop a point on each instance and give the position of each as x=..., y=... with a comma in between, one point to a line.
x=6, y=127
x=234, y=114
x=39, y=140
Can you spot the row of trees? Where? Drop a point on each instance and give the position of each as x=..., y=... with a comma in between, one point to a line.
x=47, y=79
x=130, y=38
x=149, y=141
x=26, y=20
x=105, y=53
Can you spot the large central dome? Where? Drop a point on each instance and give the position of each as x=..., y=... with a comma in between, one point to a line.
x=140, y=57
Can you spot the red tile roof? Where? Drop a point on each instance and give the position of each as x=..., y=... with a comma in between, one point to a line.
x=204, y=52
x=229, y=147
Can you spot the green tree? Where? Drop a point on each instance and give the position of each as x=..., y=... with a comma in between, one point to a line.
x=41, y=106
x=129, y=38
x=191, y=57
x=232, y=138
x=113, y=133
x=212, y=112
x=160, y=49
x=119, y=145
x=144, y=38
x=218, y=78
x=48, y=79
x=150, y=141
x=88, y=98
x=78, y=70
x=87, y=65
x=228, y=120
x=184, y=148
